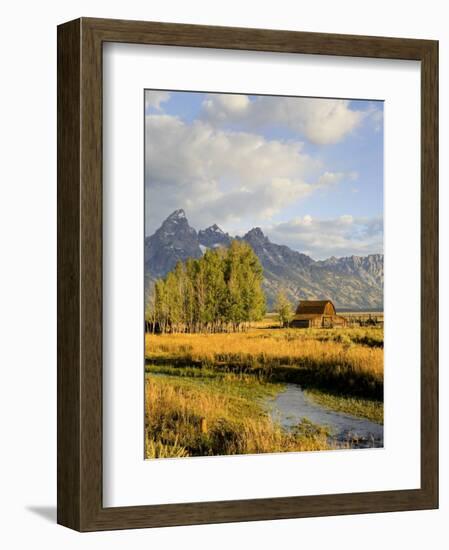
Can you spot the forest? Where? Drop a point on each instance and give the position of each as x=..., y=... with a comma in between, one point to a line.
x=219, y=292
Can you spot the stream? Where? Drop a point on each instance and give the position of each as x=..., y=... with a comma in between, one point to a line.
x=292, y=405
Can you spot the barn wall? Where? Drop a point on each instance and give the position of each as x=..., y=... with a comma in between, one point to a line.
x=300, y=323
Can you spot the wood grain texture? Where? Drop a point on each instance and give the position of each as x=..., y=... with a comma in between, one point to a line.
x=429, y=271
x=80, y=274
x=69, y=408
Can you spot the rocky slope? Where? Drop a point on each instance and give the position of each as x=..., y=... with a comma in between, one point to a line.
x=175, y=240
x=213, y=236
x=352, y=283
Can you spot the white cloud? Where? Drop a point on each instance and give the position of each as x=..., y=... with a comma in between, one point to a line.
x=322, y=238
x=332, y=178
x=154, y=98
x=221, y=176
x=322, y=121
x=223, y=105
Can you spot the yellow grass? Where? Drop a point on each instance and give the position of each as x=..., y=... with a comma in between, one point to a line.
x=280, y=354
x=184, y=419
x=255, y=348
x=210, y=395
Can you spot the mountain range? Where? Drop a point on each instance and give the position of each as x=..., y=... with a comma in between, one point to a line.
x=352, y=283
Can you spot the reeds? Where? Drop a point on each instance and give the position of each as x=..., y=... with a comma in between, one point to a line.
x=281, y=355
x=183, y=419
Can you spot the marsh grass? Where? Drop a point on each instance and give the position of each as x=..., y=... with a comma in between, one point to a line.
x=365, y=408
x=220, y=415
x=325, y=359
x=207, y=394
x=372, y=337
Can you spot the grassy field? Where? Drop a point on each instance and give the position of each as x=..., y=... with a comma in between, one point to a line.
x=218, y=415
x=329, y=359
x=207, y=394
x=372, y=409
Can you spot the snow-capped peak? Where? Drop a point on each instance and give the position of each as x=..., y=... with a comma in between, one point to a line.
x=216, y=229
x=177, y=214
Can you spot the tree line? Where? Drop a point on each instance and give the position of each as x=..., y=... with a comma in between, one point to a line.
x=220, y=292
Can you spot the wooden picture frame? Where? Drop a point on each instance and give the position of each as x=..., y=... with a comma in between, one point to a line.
x=80, y=504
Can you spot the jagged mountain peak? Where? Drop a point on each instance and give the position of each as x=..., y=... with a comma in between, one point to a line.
x=215, y=228
x=213, y=236
x=352, y=282
x=178, y=216
x=175, y=226
x=174, y=241
x=255, y=233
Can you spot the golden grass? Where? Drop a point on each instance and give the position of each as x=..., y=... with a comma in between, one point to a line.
x=206, y=393
x=317, y=357
x=372, y=337
x=286, y=347
x=183, y=418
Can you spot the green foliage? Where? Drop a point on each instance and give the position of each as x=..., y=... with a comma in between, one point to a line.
x=283, y=308
x=219, y=292
x=371, y=409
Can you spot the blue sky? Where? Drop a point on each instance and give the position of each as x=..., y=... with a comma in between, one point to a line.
x=308, y=171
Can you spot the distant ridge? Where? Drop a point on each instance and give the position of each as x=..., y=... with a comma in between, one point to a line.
x=352, y=283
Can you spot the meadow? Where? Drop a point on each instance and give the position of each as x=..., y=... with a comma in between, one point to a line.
x=210, y=394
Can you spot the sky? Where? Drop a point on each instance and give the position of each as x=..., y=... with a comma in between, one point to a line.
x=307, y=171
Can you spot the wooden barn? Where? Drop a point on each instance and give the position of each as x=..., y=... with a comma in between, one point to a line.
x=317, y=314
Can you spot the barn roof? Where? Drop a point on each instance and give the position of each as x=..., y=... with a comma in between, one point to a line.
x=313, y=307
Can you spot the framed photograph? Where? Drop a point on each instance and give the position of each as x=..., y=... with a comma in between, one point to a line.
x=247, y=274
